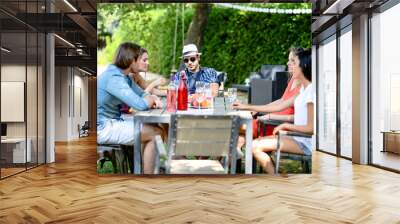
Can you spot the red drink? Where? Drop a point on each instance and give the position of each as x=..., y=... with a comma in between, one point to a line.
x=182, y=93
x=171, y=99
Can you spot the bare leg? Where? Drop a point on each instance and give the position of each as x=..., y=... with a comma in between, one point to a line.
x=241, y=141
x=149, y=131
x=147, y=136
x=265, y=160
x=148, y=157
x=260, y=149
x=263, y=146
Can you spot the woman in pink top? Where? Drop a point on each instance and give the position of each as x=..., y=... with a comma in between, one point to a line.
x=291, y=90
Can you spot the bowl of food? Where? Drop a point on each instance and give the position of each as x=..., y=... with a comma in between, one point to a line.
x=197, y=101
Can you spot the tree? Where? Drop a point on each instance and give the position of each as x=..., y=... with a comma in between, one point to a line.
x=198, y=25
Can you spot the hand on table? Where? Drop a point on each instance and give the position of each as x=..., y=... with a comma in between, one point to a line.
x=153, y=101
x=157, y=102
x=238, y=105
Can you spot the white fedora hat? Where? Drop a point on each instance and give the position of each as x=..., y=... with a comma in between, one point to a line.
x=189, y=50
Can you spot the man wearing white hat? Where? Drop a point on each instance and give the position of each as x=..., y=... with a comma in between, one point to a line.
x=194, y=72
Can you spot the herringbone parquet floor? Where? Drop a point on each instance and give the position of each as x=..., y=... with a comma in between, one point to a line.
x=70, y=191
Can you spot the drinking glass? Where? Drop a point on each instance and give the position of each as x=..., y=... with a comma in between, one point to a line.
x=200, y=93
x=232, y=94
x=199, y=85
x=207, y=89
x=200, y=97
x=209, y=94
x=171, y=98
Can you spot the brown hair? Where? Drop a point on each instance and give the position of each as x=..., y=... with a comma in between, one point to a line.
x=127, y=53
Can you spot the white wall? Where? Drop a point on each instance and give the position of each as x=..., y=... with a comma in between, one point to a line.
x=34, y=124
x=71, y=94
x=81, y=101
x=61, y=103
x=14, y=73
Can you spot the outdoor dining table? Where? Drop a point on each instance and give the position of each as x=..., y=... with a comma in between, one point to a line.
x=162, y=116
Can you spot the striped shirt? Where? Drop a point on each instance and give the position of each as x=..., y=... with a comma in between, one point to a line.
x=208, y=75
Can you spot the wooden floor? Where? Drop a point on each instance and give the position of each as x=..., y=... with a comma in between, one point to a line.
x=10, y=171
x=386, y=159
x=70, y=191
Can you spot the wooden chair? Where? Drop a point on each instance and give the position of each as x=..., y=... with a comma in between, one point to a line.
x=200, y=136
x=306, y=160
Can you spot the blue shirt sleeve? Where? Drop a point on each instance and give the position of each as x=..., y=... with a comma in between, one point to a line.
x=118, y=87
x=138, y=90
x=211, y=75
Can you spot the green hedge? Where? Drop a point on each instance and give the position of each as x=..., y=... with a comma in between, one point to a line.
x=237, y=42
x=248, y=39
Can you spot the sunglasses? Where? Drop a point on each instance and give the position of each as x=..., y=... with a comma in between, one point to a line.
x=192, y=59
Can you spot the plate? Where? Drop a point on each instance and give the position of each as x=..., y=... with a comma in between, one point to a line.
x=204, y=105
x=191, y=106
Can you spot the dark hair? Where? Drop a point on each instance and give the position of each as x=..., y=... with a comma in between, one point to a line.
x=127, y=53
x=142, y=51
x=304, y=56
x=296, y=50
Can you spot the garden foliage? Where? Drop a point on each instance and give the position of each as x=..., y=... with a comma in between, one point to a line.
x=235, y=41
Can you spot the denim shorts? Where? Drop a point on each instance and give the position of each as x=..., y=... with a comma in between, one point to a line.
x=305, y=144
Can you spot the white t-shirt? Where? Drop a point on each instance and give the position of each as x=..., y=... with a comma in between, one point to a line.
x=300, y=105
x=301, y=114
